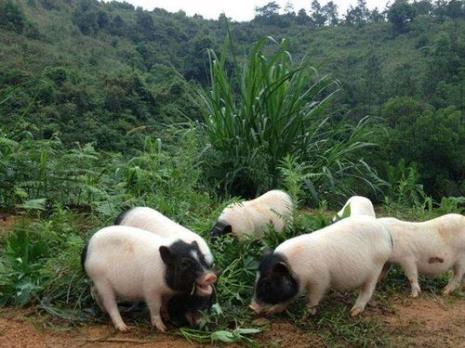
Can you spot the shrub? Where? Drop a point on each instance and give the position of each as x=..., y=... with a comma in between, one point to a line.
x=268, y=107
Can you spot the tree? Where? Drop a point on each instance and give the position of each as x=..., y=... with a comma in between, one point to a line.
x=268, y=14
x=375, y=16
x=400, y=14
x=423, y=7
x=11, y=16
x=330, y=12
x=269, y=10
x=145, y=24
x=317, y=15
x=455, y=8
x=102, y=19
x=302, y=17
x=373, y=79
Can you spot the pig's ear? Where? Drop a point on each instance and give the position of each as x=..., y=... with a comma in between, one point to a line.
x=281, y=268
x=166, y=255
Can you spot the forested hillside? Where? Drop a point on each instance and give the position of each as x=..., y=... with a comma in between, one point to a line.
x=109, y=74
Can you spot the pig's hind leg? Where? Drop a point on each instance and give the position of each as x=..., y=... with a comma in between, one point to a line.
x=454, y=282
x=411, y=271
x=366, y=291
x=107, y=300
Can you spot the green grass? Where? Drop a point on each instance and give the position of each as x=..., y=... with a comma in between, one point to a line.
x=39, y=267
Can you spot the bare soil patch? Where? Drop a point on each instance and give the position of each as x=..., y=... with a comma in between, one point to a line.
x=428, y=321
x=6, y=222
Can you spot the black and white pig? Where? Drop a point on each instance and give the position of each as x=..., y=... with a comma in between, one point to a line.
x=252, y=218
x=182, y=309
x=347, y=255
x=127, y=263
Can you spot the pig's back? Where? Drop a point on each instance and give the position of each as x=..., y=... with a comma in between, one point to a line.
x=126, y=257
x=153, y=221
x=345, y=251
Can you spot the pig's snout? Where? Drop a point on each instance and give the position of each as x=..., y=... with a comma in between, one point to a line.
x=205, y=284
x=208, y=278
x=255, y=307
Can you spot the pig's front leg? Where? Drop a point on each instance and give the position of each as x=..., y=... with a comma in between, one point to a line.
x=154, y=302
x=106, y=299
x=315, y=293
x=410, y=268
x=366, y=291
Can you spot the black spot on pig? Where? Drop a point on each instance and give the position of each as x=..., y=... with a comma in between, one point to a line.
x=186, y=310
x=119, y=219
x=183, y=265
x=275, y=284
x=84, y=256
x=220, y=229
x=435, y=259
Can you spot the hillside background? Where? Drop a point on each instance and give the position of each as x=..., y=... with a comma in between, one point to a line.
x=110, y=74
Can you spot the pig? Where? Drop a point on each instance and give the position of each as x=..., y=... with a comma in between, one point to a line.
x=182, y=309
x=356, y=205
x=431, y=248
x=251, y=218
x=349, y=254
x=153, y=221
x=127, y=263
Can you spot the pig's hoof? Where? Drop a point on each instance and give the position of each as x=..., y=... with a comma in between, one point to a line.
x=122, y=327
x=447, y=291
x=355, y=311
x=414, y=294
x=312, y=311
x=159, y=325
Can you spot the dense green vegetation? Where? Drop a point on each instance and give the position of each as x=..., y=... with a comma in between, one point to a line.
x=104, y=106
x=110, y=74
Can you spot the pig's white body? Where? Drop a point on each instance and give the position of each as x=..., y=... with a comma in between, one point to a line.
x=251, y=218
x=124, y=263
x=358, y=206
x=349, y=254
x=431, y=247
x=155, y=222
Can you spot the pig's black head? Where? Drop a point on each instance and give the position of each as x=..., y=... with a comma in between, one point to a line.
x=220, y=229
x=186, y=310
x=186, y=267
x=275, y=283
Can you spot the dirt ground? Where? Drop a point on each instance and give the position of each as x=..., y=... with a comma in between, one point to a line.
x=6, y=221
x=429, y=321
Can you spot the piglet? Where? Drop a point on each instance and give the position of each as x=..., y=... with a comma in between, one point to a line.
x=356, y=206
x=126, y=263
x=182, y=309
x=431, y=248
x=347, y=255
x=252, y=218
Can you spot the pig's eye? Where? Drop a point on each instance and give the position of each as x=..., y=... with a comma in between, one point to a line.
x=186, y=263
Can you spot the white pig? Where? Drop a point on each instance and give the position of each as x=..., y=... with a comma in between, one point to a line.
x=153, y=221
x=355, y=206
x=347, y=255
x=251, y=218
x=431, y=247
x=128, y=263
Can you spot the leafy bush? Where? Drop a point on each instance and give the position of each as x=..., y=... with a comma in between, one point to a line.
x=268, y=108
